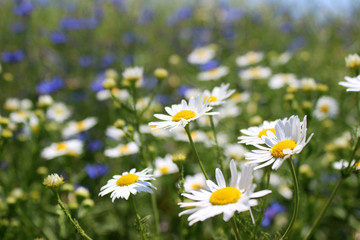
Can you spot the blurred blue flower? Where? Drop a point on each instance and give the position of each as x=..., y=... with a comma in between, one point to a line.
x=23, y=8
x=145, y=16
x=58, y=38
x=149, y=82
x=181, y=14
x=209, y=65
x=286, y=27
x=86, y=61
x=296, y=44
x=83, y=136
x=269, y=214
x=50, y=86
x=96, y=85
x=183, y=89
x=95, y=145
x=163, y=99
x=128, y=37
x=231, y=14
x=108, y=60
x=17, y=27
x=96, y=170
x=12, y=57
x=120, y=5
x=78, y=23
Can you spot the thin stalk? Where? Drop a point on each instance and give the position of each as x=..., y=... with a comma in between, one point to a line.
x=219, y=154
x=73, y=221
x=115, y=99
x=258, y=220
x=235, y=228
x=187, y=129
x=181, y=190
x=156, y=214
x=158, y=85
x=296, y=190
x=138, y=219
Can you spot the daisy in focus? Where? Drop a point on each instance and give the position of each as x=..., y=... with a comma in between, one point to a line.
x=72, y=147
x=218, y=94
x=122, y=150
x=352, y=84
x=72, y=128
x=326, y=107
x=201, y=55
x=249, y=58
x=213, y=74
x=289, y=139
x=238, y=197
x=253, y=135
x=255, y=73
x=183, y=113
x=132, y=182
x=164, y=166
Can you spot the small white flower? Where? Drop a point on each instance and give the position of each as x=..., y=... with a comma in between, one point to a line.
x=352, y=61
x=213, y=74
x=122, y=150
x=307, y=84
x=352, y=84
x=58, y=112
x=165, y=166
x=72, y=147
x=72, y=128
x=283, y=79
x=253, y=135
x=326, y=107
x=238, y=197
x=196, y=135
x=235, y=151
x=218, y=94
x=195, y=182
x=201, y=55
x=121, y=94
x=12, y=104
x=132, y=182
x=133, y=73
x=255, y=73
x=45, y=101
x=53, y=181
x=114, y=133
x=249, y=58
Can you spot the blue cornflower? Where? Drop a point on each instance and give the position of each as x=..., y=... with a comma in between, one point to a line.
x=58, y=38
x=107, y=60
x=50, y=86
x=97, y=84
x=85, y=61
x=96, y=170
x=269, y=214
x=95, y=145
x=209, y=65
x=24, y=8
x=12, y=57
x=17, y=27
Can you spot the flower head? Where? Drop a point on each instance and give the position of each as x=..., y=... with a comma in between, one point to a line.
x=72, y=147
x=165, y=166
x=122, y=150
x=326, y=107
x=255, y=73
x=72, y=128
x=352, y=84
x=352, y=61
x=201, y=55
x=214, y=73
x=249, y=58
x=53, y=181
x=218, y=94
x=253, y=135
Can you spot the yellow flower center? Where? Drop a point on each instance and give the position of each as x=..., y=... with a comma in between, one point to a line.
x=124, y=149
x=210, y=98
x=324, y=108
x=255, y=73
x=277, y=149
x=61, y=146
x=59, y=111
x=164, y=169
x=225, y=196
x=252, y=57
x=80, y=126
x=127, y=180
x=357, y=165
x=184, y=114
x=196, y=186
x=264, y=131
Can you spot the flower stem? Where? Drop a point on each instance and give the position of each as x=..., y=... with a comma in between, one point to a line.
x=235, y=228
x=73, y=221
x=296, y=205
x=156, y=214
x=322, y=213
x=187, y=129
x=219, y=154
x=261, y=215
x=138, y=219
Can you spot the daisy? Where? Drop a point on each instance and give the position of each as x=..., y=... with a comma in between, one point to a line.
x=58, y=112
x=45, y=101
x=183, y=113
x=352, y=84
x=12, y=104
x=201, y=55
x=255, y=73
x=352, y=61
x=253, y=135
x=289, y=139
x=165, y=166
x=122, y=150
x=249, y=58
x=195, y=182
x=72, y=147
x=307, y=84
x=218, y=94
x=155, y=131
x=282, y=79
x=114, y=133
x=342, y=164
x=213, y=74
x=105, y=94
x=326, y=107
x=229, y=109
x=235, y=151
x=238, y=197
x=133, y=74
x=120, y=186
x=281, y=59
x=72, y=128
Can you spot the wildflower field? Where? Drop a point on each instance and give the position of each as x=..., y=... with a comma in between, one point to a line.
x=178, y=120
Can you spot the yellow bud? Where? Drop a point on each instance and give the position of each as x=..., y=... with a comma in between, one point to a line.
x=161, y=73
x=119, y=123
x=6, y=133
x=109, y=83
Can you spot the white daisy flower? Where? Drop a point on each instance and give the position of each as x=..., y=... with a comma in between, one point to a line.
x=235, y=151
x=183, y=113
x=12, y=104
x=218, y=94
x=121, y=94
x=281, y=59
x=249, y=58
x=72, y=147
x=280, y=184
x=289, y=140
x=165, y=166
x=122, y=150
x=132, y=182
x=342, y=164
x=195, y=182
x=253, y=135
x=307, y=84
x=240, y=97
x=255, y=73
x=114, y=133
x=58, y=112
x=282, y=79
x=72, y=128
x=133, y=73
x=192, y=92
x=352, y=84
x=213, y=74
x=20, y=116
x=45, y=101
x=326, y=107
x=238, y=197
x=201, y=55
x=26, y=104
x=229, y=109
x=352, y=61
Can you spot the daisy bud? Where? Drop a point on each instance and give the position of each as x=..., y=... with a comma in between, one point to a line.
x=109, y=83
x=6, y=133
x=53, y=181
x=119, y=123
x=178, y=157
x=45, y=101
x=111, y=73
x=67, y=187
x=4, y=121
x=322, y=87
x=161, y=73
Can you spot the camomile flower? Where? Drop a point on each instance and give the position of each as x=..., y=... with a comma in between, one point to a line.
x=132, y=182
x=235, y=151
x=289, y=139
x=352, y=61
x=218, y=94
x=183, y=113
x=281, y=59
x=121, y=94
x=58, y=112
x=122, y=150
x=307, y=84
x=342, y=164
x=72, y=147
x=213, y=74
x=114, y=133
x=352, y=84
x=253, y=135
x=20, y=116
x=155, y=131
x=201, y=55
x=255, y=73
x=249, y=58
x=195, y=182
x=165, y=166
x=12, y=104
x=238, y=197
x=282, y=79
x=326, y=107
x=72, y=128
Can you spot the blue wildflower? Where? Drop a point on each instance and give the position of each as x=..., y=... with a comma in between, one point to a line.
x=269, y=214
x=17, y=27
x=85, y=61
x=12, y=57
x=95, y=145
x=58, y=38
x=50, y=86
x=96, y=170
x=108, y=60
x=24, y=8
x=209, y=65
x=96, y=85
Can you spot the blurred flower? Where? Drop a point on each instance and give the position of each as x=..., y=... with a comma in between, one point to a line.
x=121, y=186
x=235, y=151
x=217, y=96
x=352, y=84
x=96, y=170
x=50, y=86
x=12, y=57
x=197, y=135
x=249, y=58
x=194, y=183
x=12, y=104
x=326, y=107
x=107, y=60
x=289, y=140
x=58, y=38
x=133, y=74
x=122, y=150
x=53, y=181
x=81, y=191
x=86, y=61
x=165, y=166
x=213, y=74
x=238, y=197
x=161, y=73
x=352, y=61
x=78, y=23
x=72, y=147
x=45, y=101
x=271, y=212
x=253, y=135
x=72, y=128
x=342, y=164
x=201, y=55
x=23, y=8
x=95, y=145
x=255, y=73
x=308, y=84
x=283, y=79
x=58, y=112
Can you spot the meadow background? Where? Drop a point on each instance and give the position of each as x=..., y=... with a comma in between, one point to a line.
x=63, y=48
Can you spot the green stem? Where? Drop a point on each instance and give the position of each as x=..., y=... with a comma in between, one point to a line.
x=322, y=213
x=115, y=99
x=296, y=190
x=187, y=129
x=138, y=219
x=181, y=190
x=258, y=220
x=158, y=85
x=73, y=221
x=156, y=214
x=235, y=228
x=219, y=154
